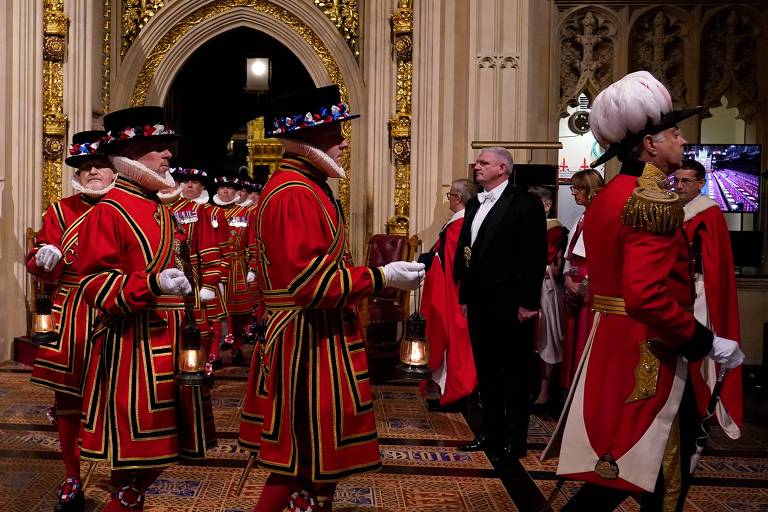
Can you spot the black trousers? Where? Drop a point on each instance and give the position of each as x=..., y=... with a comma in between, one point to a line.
x=604, y=499
x=502, y=349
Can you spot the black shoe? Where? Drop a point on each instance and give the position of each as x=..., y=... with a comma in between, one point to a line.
x=479, y=443
x=507, y=455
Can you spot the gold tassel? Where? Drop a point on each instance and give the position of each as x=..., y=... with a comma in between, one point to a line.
x=652, y=206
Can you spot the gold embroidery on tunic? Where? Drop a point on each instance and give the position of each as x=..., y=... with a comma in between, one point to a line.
x=670, y=467
x=646, y=373
x=652, y=206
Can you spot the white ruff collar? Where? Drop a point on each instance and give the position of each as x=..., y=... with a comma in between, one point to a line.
x=247, y=202
x=697, y=205
x=203, y=198
x=79, y=189
x=170, y=197
x=141, y=174
x=220, y=202
x=319, y=158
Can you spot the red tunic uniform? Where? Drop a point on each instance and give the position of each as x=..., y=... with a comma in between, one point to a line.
x=629, y=385
x=450, y=355
x=217, y=309
x=59, y=365
x=132, y=409
x=309, y=407
x=239, y=226
x=205, y=253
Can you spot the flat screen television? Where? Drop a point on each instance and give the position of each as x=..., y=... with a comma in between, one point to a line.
x=733, y=174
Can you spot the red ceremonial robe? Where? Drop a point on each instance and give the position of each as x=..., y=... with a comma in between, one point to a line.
x=59, y=365
x=628, y=387
x=132, y=409
x=720, y=308
x=450, y=351
x=308, y=407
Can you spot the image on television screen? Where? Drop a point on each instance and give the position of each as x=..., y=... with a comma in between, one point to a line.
x=733, y=174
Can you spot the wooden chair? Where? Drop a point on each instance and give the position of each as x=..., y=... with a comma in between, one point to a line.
x=383, y=314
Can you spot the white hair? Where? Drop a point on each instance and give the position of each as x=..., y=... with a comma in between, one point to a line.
x=503, y=154
x=627, y=105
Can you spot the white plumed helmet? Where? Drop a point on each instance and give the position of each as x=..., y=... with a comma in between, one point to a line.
x=629, y=109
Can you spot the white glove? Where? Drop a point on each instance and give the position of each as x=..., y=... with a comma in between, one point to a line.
x=173, y=281
x=726, y=352
x=47, y=257
x=221, y=290
x=403, y=275
x=251, y=277
x=207, y=295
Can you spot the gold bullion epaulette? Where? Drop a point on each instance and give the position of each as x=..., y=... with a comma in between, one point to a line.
x=652, y=206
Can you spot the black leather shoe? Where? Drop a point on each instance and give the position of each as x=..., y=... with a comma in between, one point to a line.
x=510, y=453
x=479, y=443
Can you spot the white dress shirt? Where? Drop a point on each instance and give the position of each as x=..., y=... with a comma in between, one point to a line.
x=487, y=200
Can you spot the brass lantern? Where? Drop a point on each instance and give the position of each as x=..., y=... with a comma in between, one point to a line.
x=43, y=326
x=191, y=357
x=414, y=350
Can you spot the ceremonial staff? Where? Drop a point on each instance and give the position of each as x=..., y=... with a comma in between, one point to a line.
x=706, y=421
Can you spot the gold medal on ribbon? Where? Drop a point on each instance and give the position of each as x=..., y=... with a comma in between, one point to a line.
x=467, y=255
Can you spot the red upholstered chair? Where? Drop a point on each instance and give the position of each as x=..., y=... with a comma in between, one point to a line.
x=383, y=314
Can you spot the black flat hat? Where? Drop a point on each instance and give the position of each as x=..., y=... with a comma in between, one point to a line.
x=182, y=174
x=667, y=121
x=85, y=146
x=130, y=124
x=305, y=110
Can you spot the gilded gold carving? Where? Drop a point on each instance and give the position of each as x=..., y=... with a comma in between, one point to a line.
x=404, y=86
x=261, y=151
x=217, y=7
x=106, y=50
x=55, y=25
x=400, y=124
x=136, y=14
x=402, y=19
x=646, y=373
x=345, y=15
x=404, y=47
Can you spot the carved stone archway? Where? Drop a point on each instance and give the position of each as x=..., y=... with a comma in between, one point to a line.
x=176, y=31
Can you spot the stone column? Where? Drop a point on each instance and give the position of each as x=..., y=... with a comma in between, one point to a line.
x=378, y=68
x=21, y=160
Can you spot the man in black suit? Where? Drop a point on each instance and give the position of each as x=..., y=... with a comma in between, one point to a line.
x=502, y=255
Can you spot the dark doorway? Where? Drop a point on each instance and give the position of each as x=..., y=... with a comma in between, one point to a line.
x=209, y=106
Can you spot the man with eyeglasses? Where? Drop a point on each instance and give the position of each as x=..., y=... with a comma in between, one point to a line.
x=716, y=304
x=450, y=354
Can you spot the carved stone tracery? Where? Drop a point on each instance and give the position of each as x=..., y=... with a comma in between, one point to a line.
x=657, y=45
x=730, y=50
x=586, y=55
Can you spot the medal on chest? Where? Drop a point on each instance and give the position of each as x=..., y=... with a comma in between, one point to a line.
x=185, y=217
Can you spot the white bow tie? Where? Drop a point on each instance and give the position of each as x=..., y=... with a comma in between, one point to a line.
x=486, y=196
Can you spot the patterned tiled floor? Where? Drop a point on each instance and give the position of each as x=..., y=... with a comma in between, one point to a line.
x=423, y=471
